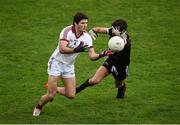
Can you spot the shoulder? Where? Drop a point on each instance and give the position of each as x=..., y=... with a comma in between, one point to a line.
x=65, y=32
x=67, y=29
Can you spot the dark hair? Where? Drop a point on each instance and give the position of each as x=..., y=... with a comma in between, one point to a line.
x=78, y=17
x=120, y=23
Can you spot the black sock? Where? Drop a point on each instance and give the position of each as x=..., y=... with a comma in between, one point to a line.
x=82, y=86
x=121, y=91
x=39, y=106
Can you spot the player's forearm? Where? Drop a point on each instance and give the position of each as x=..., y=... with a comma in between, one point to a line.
x=94, y=56
x=63, y=47
x=66, y=50
x=100, y=29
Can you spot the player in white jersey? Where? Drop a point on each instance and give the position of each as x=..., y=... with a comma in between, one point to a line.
x=73, y=40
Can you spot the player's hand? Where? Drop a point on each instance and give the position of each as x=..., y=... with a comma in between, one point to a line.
x=105, y=53
x=80, y=48
x=93, y=34
x=115, y=30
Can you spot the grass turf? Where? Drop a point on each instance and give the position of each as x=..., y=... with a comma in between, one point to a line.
x=29, y=31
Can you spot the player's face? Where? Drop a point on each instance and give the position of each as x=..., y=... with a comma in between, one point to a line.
x=82, y=25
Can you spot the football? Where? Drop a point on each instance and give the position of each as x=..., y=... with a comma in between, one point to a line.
x=116, y=43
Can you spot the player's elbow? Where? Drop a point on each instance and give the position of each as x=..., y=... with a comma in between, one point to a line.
x=93, y=59
x=62, y=51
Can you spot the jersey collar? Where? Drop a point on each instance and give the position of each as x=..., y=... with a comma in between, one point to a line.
x=74, y=31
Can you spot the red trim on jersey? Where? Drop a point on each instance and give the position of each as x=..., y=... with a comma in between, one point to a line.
x=91, y=47
x=64, y=40
x=64, y=43
x=74, y=31
x=66, y=32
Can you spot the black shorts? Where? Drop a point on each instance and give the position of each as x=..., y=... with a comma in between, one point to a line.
x=118, y=71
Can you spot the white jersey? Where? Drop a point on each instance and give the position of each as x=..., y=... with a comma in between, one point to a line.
x=69, y=35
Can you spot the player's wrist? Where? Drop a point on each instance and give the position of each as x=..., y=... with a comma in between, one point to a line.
x=98, y=57
x=75, y=50
x=101, y=55
x=108, y=30
x=94, y=31
x=105, y=53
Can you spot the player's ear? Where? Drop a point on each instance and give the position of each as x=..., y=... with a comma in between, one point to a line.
x=75, y=23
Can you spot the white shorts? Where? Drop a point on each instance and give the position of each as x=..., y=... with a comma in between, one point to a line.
x=57, y=68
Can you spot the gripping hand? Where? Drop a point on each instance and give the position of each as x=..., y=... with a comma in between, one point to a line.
x=105, y=53
x=80, y=48
x=115, y=30
x=93, y=34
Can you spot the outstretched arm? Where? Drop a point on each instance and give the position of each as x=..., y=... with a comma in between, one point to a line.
x=112, y=31
x=94, y=31
x=94, y=56
x=100, y=29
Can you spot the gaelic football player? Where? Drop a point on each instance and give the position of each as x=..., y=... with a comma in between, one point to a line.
x=115, y=64
x=73, y=39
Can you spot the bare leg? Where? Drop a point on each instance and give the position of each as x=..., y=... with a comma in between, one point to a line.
x=99, y=75
x=52, y=86
x=61, y=90
x=69, y=88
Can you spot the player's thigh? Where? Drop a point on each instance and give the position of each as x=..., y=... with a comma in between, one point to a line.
x=99, y=75
x=70, y=86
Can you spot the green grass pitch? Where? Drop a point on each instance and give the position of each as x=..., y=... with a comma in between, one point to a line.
x=29, y=31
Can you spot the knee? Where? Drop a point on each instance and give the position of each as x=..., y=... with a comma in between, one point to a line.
x=70, y=96
x=51, y=96
x=94, y=81
x=119, y=83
